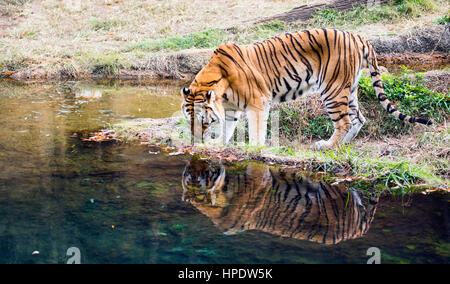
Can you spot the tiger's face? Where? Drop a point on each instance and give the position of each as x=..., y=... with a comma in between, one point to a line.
x=203, y=181
x=202, y=104
x=198, y=109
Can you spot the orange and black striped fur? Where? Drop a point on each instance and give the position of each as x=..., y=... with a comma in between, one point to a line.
x=251, y=78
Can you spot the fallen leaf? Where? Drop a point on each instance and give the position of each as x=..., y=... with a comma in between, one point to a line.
x=179, y=152
x=102, y=136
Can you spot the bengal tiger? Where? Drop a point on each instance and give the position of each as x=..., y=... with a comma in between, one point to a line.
x=250, y=78
x=276, y=201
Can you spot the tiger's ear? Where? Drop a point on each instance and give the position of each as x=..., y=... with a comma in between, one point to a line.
x=185, y=92
x=211, y=96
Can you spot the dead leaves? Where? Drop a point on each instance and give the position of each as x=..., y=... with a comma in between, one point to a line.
x=102, y=136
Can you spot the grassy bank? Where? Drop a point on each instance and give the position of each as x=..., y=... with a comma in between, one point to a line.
x=387, y=151
x=103, y=38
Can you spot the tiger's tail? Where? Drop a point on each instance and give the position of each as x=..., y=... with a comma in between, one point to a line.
x=379, y=91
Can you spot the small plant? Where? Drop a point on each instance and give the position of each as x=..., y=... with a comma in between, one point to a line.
x=444, y=20
x=409, y=91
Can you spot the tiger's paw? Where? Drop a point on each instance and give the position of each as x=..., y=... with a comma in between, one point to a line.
x=322, y=144
x=216, y=142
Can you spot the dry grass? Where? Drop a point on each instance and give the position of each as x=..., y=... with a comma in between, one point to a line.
x=53, y=30
x=75, y=38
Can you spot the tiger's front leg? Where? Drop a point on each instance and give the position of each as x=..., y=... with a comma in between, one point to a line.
x=229, y=124
x=257, y=126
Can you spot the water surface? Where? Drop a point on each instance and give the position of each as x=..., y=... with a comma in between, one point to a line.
x=121, y=203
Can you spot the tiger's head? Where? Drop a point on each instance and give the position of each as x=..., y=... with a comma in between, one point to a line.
x=202, y=103
x=202, y=181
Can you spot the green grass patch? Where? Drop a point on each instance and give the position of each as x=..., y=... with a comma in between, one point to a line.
x=205, y=39
x=408, y=90
x=211, y=38
x=107, y=64
x=104, y=25
x=444, y=20
x=396, y=173
x=362, y=15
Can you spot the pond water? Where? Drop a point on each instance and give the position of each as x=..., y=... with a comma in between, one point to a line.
x=122, y=203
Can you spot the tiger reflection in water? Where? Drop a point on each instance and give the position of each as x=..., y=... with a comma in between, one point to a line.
x=276, y=201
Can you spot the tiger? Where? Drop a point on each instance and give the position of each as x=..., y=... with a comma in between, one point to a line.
x=276, y=201
x=251, y=78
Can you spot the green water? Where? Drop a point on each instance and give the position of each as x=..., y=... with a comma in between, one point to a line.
x=119, y=203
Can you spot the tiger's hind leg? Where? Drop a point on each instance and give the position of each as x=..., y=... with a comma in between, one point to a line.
x=339, y=112
x=356, y=117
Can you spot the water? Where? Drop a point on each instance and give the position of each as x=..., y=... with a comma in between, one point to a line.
x=118, y=203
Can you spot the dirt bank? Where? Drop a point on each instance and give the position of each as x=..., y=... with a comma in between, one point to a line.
x=430, y=44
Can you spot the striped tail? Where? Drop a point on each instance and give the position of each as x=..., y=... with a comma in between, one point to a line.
x=379, y=91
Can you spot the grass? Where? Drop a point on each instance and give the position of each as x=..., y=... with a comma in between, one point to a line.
x=128, y=30
x=210, y=38
x=9, y=7
x=444, y=20
x=105, y=25
x=363, y=163
x=133, y=32
x=107, y=64
x=247, y=34
x=409, y=90
x=357, y=16
x=205, y=39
